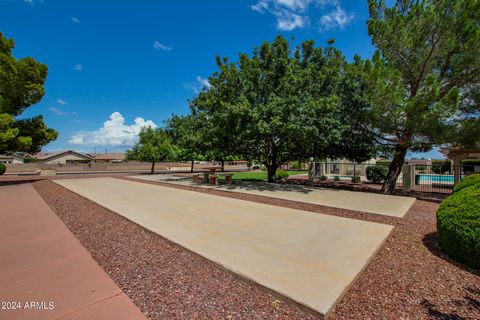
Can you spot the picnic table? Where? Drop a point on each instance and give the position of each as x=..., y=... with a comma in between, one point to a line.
x=212, y=169
x=212, y=178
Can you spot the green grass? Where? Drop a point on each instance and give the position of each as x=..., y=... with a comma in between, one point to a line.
x=255, y=175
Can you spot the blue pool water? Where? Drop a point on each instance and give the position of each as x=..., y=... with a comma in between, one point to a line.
x=433, y=178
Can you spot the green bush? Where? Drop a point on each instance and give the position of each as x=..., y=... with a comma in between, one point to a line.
x=336, y=178
x=3, y=168
x=441, y=166
x=421, y=167
x=470, y=164
x=383, y=163
x=296, y=165
x=323, y=178
x=466, y=182
x=280, y=174
x=377, y=174
x=458, y=225
x=356, y=179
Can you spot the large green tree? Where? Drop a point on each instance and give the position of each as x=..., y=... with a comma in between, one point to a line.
x=186, y=134
x=21, y=86
x=154, y=145
x=425, y=67
x=278, y=104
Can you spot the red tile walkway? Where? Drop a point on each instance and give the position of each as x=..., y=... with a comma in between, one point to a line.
x=45, y=272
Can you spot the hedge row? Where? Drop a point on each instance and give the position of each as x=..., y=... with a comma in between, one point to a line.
x=377, y=173
x=458, y=223
x=2, y=168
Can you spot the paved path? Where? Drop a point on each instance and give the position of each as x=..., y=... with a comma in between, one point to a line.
x=395, y=206
x=43, y=263
x=309, y=257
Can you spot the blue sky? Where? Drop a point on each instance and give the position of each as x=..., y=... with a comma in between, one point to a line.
x=111, y=62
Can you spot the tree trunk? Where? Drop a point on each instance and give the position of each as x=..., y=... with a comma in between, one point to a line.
x=191, y=168
x=152, y=170
x=223, y=165
x=271, y=171
x=271, y=162
x=395, y=169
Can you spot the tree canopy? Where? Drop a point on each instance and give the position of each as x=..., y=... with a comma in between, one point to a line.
x=154, y=145
x=423, y=74
x=186, y=133
x=21, y=86
x=279, y=104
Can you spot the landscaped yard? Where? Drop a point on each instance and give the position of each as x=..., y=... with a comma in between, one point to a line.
x=408, y=278
x=257, y=175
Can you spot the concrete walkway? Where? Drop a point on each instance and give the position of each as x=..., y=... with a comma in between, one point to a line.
x=45, y=273
x=395, y=206
x=309, y=257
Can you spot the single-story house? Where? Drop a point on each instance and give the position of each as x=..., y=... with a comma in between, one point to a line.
x=10, y=158
x=110, y=157
x=64, y=157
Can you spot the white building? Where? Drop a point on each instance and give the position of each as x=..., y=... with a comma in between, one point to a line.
x=10, y=158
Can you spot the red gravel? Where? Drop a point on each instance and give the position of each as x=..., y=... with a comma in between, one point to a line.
x=408, y=278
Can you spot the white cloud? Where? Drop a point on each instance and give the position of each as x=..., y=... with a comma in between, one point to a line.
x=62, y=102
x=287, y=20
x=76, y=20
x=337, y=18
x=295, y=4
x=115, y=133
x=78, y=67
x=32, y=2
x=199, y=85
x=58, y=112
x=160, y=46
x=261, y=6
x=295, y=14
x=204, y=82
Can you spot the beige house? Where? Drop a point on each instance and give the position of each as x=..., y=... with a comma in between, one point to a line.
x=10, y=158
x=64, y=157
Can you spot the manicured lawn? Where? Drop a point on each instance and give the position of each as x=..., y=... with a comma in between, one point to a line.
x=256, y=175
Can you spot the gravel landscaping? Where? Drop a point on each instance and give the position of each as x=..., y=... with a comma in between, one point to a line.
x=408, y=278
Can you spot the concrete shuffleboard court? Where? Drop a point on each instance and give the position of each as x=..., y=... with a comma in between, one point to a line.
x=388, y=205
x=309, y=257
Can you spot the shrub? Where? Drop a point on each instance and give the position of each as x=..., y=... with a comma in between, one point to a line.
x=441, y=166
x=458, y=225
x=296, y=165
x=377, y=173
x=421, y=167
x=323, y=178
x=466, y=182
x=3, y=168
x=280, y=174
x=383, y=163
x=336, y=178
x=470, y=164
x=356, y=179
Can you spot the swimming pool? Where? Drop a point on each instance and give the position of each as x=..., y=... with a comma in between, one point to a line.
x=434, y=178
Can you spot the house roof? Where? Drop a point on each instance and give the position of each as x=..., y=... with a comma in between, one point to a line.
x=10, y=156
x=46, y=156
x=110, y=156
